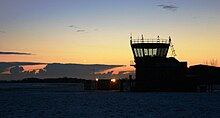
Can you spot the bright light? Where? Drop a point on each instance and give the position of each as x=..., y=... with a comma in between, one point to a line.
x=113, y=80
x=97, y=79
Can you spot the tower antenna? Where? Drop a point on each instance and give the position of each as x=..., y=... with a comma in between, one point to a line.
x=131, y=36
x=142, y=38
x=173, y=52
x=158, y=39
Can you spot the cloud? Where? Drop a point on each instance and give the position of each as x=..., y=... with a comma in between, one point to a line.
x=80, y=30
x=16, y=70
x=111, y=74
x=52, y=70
x=73, y=26
x=6, y=66
x=2, y=31
x=169, y=6
x=85, y=71
x=15, y=53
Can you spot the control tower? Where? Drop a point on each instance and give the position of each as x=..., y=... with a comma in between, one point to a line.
x=154, y=70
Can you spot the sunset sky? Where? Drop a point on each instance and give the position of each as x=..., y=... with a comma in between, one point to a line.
x=97, y=31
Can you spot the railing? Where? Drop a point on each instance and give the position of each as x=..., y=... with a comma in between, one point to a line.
x=136, y=41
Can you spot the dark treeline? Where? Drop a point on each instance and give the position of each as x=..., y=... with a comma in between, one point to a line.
x=87, y=83
x=47, y=80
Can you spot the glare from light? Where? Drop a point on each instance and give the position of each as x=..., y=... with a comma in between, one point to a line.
x=97, y=79
x=113, y=80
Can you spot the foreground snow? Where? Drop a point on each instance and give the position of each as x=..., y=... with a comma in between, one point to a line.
x=49, y=103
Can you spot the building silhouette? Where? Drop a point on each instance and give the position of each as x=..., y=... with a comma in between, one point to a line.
x=154, y=70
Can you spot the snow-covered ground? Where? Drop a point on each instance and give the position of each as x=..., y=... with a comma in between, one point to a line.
x=37, y=103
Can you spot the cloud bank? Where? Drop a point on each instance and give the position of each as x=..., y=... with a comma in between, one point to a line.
x=6, y=66
x=15, y=71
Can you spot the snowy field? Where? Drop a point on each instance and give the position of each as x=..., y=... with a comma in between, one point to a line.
x=34, y=103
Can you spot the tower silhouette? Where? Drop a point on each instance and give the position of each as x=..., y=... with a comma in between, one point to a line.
x=154, y=70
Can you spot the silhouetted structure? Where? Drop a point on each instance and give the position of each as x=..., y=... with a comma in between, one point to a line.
x=157, y=72
x=154, y=70
x=207, y=78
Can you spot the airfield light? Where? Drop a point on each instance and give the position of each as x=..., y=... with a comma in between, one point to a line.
x=113, y=80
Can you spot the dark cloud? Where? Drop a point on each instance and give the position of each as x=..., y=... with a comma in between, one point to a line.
x=73, y=26
x=120, y=75
x=78, y=29
x=85, y=71
x=16, y=70
x=52, y=70
x=6, y=66
x=170, y=6
x=2, y=31
x=20, y=63
x=15, y=53
x=81, y=30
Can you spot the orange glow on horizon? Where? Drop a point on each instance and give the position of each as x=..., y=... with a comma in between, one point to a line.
x=34, y=67
x=118, y=69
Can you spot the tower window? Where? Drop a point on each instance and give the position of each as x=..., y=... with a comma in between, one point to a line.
x=140, y=51
x=150, y=52
x=154, y=52
x=146, y=52
x=135, y=52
